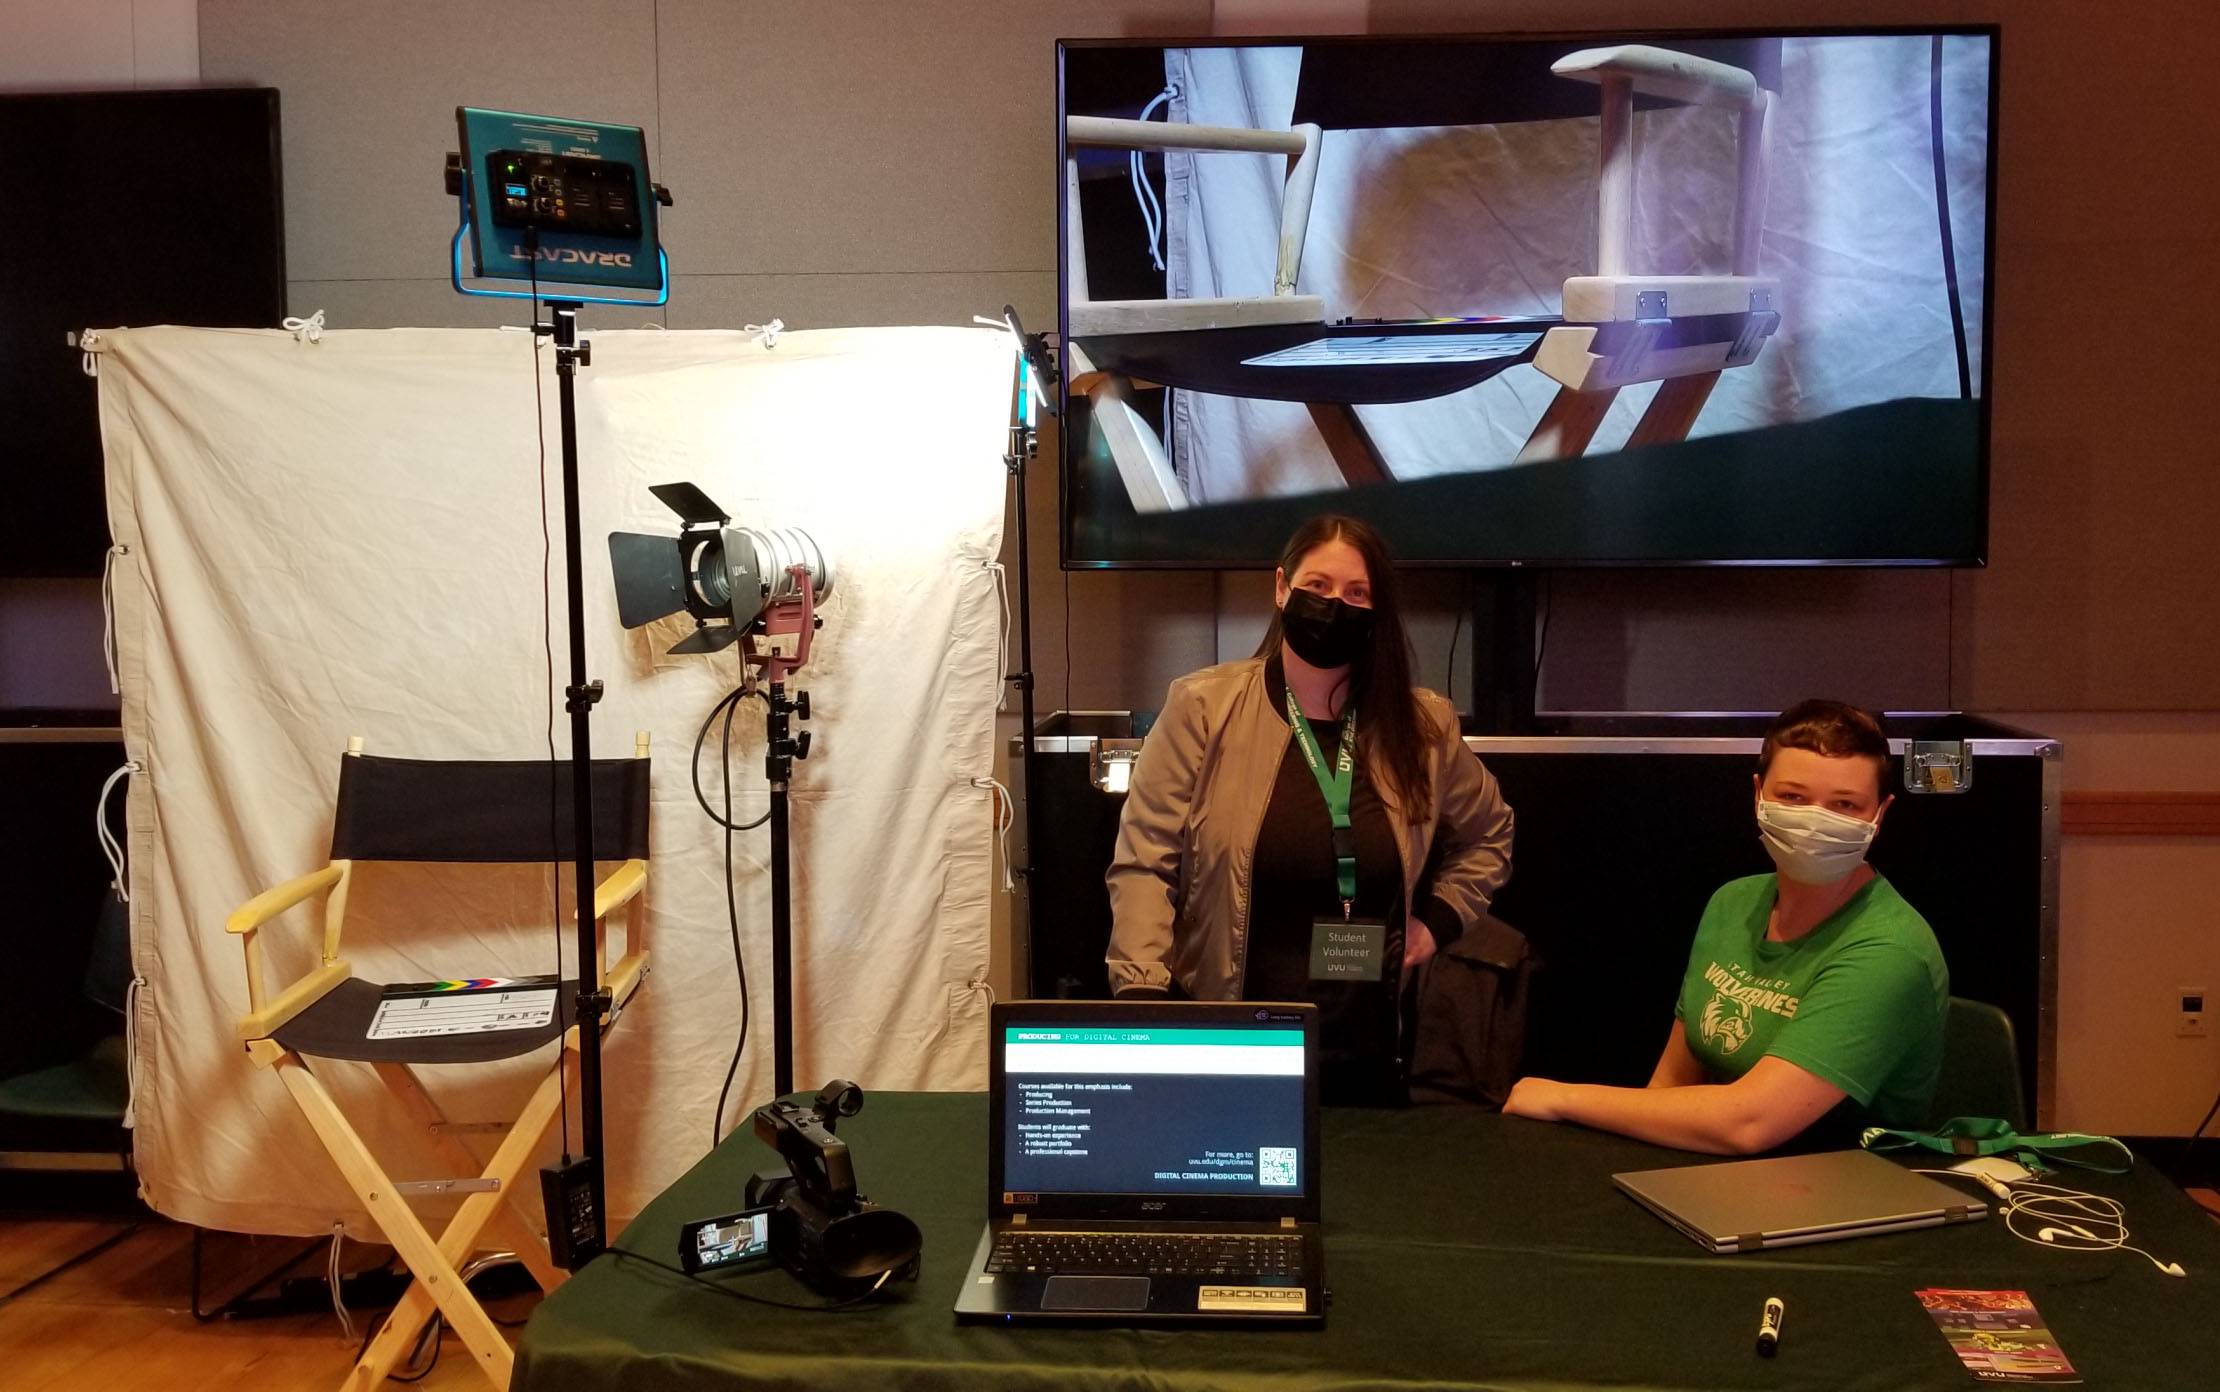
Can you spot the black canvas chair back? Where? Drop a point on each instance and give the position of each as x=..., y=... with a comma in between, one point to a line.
x=483, y=811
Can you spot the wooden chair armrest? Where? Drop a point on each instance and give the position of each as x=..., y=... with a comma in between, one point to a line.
x=626, y=977
x=623, y=885
x=1659, y=72
x=271, y=902
x=1114, y=133
x=266, y=1020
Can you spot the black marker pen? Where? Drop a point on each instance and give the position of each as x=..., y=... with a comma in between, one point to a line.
x=1769, y=1327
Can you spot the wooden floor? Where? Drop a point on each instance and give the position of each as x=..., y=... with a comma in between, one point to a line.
x=124, y=1319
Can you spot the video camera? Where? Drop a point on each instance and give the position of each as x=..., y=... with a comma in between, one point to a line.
x=823, y=1231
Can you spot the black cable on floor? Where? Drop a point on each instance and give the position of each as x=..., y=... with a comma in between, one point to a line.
x=435, y=1330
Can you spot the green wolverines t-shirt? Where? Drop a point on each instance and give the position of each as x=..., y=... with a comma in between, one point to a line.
x=1859, y=1001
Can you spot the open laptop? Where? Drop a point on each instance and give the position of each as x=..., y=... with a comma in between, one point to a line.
x=1748, y=1205
x=1149, y=1163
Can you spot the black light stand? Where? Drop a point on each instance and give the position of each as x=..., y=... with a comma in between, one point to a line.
x=781, y=750
x=577, y=1229
x=760, y=587
x=796, y=616
x=1024, y=445
x=573, y=1190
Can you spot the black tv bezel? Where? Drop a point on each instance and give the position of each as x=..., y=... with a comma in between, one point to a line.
x=1985, y=397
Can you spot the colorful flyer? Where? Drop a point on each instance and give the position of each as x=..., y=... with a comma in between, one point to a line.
x=1998, y=1336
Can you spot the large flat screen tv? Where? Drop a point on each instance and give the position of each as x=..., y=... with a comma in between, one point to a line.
x=125, y=208
x=1593, y=299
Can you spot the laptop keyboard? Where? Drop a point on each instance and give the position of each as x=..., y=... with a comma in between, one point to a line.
x=1148, y=1254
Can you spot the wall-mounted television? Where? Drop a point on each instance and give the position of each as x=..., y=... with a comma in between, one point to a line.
x=1587, y=299
x=126, y=208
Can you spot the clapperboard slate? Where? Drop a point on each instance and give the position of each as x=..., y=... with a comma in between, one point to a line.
x=474, y=1005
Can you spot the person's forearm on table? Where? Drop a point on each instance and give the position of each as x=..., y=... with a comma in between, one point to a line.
x=1772, y=1102
x=1706, y=1117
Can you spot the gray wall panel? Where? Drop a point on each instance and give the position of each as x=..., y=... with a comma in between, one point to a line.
x=851, y=137
x=369, y=95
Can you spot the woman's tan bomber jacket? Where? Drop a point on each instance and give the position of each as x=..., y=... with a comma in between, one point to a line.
x=1180, y=877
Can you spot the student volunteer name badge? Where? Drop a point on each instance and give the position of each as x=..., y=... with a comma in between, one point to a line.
x=1347, y=949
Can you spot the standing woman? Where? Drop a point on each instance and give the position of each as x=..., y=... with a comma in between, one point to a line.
x=1305, y=825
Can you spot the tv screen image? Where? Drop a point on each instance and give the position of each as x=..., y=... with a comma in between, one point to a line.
x=1596, y=299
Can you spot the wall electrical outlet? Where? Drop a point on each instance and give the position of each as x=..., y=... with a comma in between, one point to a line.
x=2191, y=1024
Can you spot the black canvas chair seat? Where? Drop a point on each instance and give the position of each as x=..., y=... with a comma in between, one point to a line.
x=1218, y=360
x=338, y=1027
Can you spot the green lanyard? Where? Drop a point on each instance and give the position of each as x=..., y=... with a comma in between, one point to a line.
x=1989, y=1136
x=1335, y=786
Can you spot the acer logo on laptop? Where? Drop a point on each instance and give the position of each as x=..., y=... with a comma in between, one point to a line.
x=1156, y=1207
x=572, y=256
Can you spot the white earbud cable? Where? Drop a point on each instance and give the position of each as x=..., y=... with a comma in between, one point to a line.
x=2066, y=1220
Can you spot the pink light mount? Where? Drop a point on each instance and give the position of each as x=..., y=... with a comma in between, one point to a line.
x=795, y=617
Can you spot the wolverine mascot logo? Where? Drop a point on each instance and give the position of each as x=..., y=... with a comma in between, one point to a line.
x=1726, y=1025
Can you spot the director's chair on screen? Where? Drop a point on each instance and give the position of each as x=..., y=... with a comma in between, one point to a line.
x=1617, y=328
x=477, y=812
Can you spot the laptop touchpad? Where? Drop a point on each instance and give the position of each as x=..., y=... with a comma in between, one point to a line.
x=1096, y=1293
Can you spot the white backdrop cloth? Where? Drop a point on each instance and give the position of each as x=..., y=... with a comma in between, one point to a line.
x=343, y=537
x=1454, y=220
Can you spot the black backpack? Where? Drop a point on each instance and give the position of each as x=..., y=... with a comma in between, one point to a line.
x=1469, y=1044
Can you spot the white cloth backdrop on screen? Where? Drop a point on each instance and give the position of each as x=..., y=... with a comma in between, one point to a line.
x=344, y=537
x=1416, y=222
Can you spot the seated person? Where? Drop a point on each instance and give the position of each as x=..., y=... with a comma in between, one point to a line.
x=1805, y=988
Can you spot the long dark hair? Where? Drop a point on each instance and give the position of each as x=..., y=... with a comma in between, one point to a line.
x=1392, y=731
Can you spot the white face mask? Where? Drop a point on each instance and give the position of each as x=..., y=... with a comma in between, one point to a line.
x=1811, y=845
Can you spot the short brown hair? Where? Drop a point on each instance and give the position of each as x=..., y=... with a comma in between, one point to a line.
x=1834, y=729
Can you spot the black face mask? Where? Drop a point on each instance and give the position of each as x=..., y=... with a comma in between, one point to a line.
x=1325, y=632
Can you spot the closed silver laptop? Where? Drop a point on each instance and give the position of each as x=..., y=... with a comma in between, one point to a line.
x=1748, y=1205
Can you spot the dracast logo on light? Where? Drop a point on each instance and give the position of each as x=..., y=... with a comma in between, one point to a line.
x=572, y=256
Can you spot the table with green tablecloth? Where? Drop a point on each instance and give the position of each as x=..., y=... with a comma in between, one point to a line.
x=1463, y=1249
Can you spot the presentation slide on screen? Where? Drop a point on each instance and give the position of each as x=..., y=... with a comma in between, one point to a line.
x=1154, y=1111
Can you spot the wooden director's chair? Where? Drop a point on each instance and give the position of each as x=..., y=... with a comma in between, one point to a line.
x=449, y=811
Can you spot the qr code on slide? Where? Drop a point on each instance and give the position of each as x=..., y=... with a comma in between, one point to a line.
x=1275, y=1167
